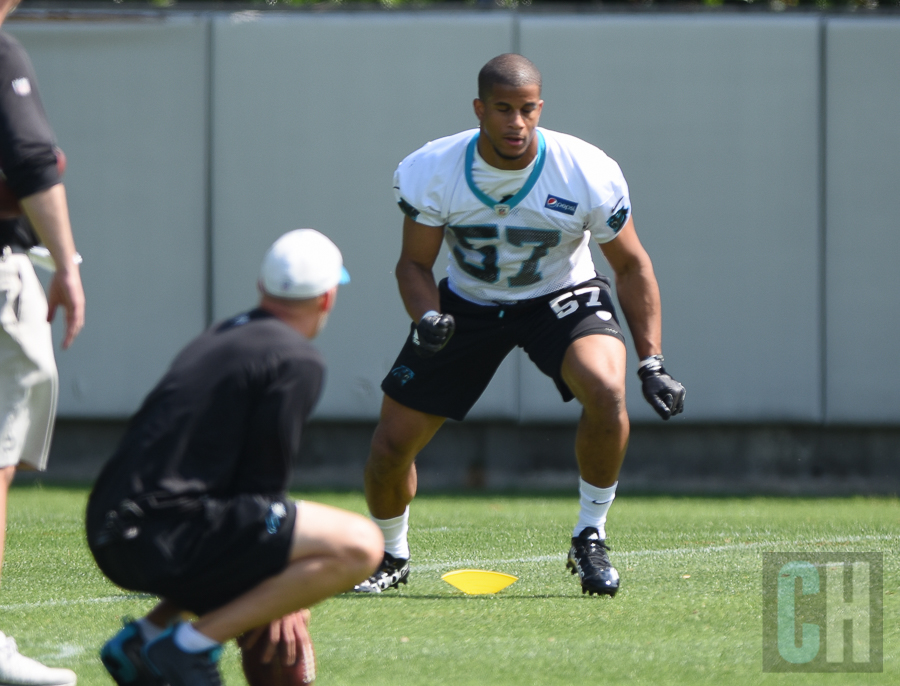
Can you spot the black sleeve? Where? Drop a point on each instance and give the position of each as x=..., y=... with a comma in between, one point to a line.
x=275, y=427
x=27, y=155
x=300, y=395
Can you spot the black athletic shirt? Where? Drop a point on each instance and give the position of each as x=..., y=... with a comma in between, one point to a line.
x=225, y=419
x=27, y=143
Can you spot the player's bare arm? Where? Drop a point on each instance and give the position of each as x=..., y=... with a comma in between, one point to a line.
x=637, y=289
x=421, y=246
x=48, y=213
x=639, y=297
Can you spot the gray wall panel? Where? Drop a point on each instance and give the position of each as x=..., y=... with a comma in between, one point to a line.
x=127, y=102
x=713, y=121
x=312, y=116
x=863, y=285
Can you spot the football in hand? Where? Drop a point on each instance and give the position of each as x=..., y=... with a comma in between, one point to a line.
x=256, y=644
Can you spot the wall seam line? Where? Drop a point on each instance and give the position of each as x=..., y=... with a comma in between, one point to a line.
x=823, y=218
x=208, y=173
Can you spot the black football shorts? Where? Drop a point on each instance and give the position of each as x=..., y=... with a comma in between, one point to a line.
x=200, y=553
x=449, y=383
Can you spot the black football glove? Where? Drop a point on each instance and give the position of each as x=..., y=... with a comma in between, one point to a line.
x=664, y=393
x=432, y=333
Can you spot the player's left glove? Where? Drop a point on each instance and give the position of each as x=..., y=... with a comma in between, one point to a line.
x=432, y=333
x=664, y=393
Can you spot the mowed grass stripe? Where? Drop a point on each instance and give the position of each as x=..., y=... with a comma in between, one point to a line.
x=426, y=567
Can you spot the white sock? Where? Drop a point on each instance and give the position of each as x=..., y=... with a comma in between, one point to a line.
x=394, y=531
x=148, y=629
x=595, y=504
x=192, y=641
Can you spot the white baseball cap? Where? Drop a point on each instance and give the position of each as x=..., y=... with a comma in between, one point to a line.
x=302, y=264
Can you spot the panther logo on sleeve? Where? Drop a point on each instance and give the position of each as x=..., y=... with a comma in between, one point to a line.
x=408, y=209
x=617, y=221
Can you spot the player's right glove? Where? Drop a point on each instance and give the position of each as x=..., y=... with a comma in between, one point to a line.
x=432, y=333
x=664, y=393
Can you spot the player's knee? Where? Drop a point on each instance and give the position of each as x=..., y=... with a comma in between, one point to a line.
x=389, y=453
x=604, y=401
x=363, y=547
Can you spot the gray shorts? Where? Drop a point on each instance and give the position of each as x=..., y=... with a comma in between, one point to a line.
x=28, y=379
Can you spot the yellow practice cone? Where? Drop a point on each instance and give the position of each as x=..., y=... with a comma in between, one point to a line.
x=477, y=581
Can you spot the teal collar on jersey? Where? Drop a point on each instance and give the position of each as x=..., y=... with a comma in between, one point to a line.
x=503, y=208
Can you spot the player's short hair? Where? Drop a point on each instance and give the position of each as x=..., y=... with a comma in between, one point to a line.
x=508, y=69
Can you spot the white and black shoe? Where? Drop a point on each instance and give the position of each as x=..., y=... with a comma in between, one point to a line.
x=589, y=558
x=392, y=572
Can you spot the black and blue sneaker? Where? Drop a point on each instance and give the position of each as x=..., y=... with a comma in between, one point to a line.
x=589, y=558
x=181, y=668
x=121, y=655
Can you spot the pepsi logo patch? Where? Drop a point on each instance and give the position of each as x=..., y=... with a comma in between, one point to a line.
x=560, y=205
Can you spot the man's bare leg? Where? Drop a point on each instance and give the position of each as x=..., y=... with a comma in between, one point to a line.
x=12, y=664
x=332, y=550
x=165, y=613
x=7, y=474
x=594, y=369
x=391, y=482
x=390, y=477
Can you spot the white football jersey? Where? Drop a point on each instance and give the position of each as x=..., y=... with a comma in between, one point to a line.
x=531, y=244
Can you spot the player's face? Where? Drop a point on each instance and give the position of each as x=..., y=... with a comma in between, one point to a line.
x=508, y=119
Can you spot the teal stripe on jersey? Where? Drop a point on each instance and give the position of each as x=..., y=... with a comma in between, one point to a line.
x=523, y=192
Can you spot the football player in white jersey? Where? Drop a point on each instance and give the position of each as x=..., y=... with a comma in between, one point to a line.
x=517, y=206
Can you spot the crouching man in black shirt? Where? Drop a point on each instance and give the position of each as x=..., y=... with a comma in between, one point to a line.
x=192, y=506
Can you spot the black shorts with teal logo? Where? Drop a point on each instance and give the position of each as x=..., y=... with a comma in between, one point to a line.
x=200, y=553
x=449, y=383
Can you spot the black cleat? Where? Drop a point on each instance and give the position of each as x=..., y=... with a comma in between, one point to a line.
x=180, y=668
x=589, y=558
x=392, y=572
x=121, y=655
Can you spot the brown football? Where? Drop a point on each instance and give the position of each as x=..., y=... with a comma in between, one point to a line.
x=276, y=673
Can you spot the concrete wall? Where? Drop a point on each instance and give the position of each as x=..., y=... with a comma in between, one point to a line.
x=714, y=122
x=194, y=141
x=863, y=220
x=128, y=104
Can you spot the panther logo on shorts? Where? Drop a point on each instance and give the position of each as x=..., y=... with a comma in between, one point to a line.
x=402, y=374
x=277, y=513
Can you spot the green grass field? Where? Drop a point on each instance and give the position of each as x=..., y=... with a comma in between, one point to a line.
x=689, y=611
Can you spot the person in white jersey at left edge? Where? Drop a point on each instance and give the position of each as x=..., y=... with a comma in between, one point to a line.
x=518, y=206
